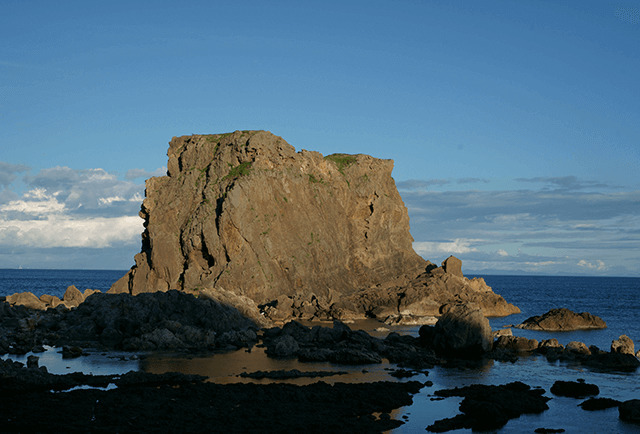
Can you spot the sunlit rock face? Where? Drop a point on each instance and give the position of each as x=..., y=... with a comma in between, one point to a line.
x=246, y=212
x=302, y=234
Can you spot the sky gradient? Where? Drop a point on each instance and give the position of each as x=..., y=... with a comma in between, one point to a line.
x=514, y=126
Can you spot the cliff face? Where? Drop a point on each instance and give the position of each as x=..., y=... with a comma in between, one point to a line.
x=246, y=212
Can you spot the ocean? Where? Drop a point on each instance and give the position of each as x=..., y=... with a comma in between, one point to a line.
x=614, y=299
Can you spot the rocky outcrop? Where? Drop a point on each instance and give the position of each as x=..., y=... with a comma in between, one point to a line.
x=629, y=411
x=574, y=389
x=245, y=211
x=489, y=408
x=563, y=320
x=72, y=298
x=188, y=403
x=303, y=235
x=160, y=321
x=463, y=331
x=623, y=345
x=344, y=346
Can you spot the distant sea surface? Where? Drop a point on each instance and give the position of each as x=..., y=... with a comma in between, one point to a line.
x=614, y=299
x=55, y=282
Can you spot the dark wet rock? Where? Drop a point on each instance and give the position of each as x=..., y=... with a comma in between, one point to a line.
x=159, y=321
x=342, y=345
x=189, y=404
x=613, y=361
x=548, y=430
x=549, y=343
x=283, y=346
x=629, y=411
x=404, y=373
x=623, y=345
x=594, y=404
x=574, y=389
x=516, y=343
x=463, y=331
x=290, y=374
x=71, y=352
x=591, y=357
x=491, y=407
x=563, y=320
x=32, y=361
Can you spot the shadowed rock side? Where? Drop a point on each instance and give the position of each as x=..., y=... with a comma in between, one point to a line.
x=302, y=235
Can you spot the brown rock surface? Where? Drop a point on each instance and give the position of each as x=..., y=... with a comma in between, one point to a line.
x=302, y=235
x=624, y=345
x=563, y=320
x=246, y=211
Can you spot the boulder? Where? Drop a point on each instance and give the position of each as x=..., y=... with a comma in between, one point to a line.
x=462, y=331
x=452, y=265
x=50, y=300
x=574, y=389
x=26, y=299
x=563, y=320
x=72, y=297
x=623, y=345
x=502, y=332
x=629, y=411
x=577, y=348
x=550, y=343
x=594, y=404
x=516, y=343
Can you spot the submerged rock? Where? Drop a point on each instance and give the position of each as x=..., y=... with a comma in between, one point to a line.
x=594, y=404
x=574, y=389
x=563, y=320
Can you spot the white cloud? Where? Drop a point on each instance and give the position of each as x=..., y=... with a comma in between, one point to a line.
x=597, y=265
x=457, y=246
x=36, y=202
x=502, y=252
x=66, y=231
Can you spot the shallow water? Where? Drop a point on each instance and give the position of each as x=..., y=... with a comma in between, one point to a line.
x=615, y=300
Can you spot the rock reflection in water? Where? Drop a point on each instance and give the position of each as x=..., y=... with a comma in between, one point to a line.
x=226, y=368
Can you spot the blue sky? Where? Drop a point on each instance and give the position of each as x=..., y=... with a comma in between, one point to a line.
x=514, y=126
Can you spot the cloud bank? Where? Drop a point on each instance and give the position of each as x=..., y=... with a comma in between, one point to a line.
x=564, y=226
x=67, y=210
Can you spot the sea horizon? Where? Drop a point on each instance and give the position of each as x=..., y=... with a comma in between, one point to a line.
x=468, y=274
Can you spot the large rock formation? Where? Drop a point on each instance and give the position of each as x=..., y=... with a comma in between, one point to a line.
x=296, y=232
x=244, y=211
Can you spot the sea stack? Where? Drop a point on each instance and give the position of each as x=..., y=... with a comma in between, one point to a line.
x=246, y=213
